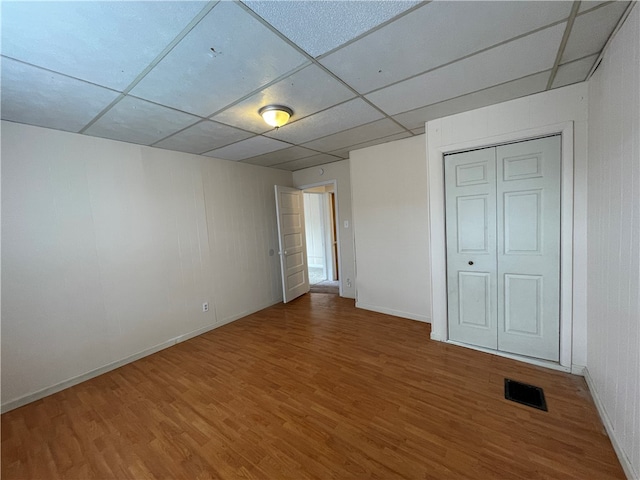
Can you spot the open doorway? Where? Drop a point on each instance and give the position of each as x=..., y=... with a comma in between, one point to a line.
x=321, y=239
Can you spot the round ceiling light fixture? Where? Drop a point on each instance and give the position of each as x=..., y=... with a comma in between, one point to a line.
x=275, y=115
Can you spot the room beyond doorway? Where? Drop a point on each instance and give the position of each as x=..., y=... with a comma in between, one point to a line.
x=321, y=239
x=325, y=286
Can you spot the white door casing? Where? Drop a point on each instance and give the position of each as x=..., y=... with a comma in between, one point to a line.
x=292, y=242
x=439, y=145
x=336, y=211
x=503, y=247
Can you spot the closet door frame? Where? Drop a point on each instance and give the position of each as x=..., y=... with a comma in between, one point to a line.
x=435, y=168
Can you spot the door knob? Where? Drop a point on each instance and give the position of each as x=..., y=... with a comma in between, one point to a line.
x=470, y=262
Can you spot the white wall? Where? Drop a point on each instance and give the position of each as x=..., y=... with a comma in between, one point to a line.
x=390, y=216
x=338, y=172
x=613, y=365
x=519, y=119
x=109, y=250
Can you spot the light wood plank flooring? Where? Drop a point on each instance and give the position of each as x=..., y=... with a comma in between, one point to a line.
x=312, y=389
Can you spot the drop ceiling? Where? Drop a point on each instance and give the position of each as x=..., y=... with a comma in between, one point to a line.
x=191, y=76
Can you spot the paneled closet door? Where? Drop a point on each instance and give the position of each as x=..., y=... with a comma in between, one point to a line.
x=528, y=187
x=470, y=179
x=503, y=247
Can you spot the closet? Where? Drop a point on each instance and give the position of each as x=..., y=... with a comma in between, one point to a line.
x=503, y=247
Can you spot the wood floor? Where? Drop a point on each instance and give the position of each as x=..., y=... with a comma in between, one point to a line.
x=312, y=389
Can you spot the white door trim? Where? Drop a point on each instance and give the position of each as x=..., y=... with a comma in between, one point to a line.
x=435, y=172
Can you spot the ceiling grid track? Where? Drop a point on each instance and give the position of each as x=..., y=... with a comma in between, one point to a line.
x=44, y=69
x=209, y=117
x=478, y=91
x=185, y=31
x=374, y=29
x=322, y=67
x=465, y=57
x=316, y=62
x=563, y=43
x=624, y=16
x=274, y=129
x=355, y=75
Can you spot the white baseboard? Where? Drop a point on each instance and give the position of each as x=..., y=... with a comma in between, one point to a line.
x=622, y=456
x=45, y=392
x=437, y=337
x=578, y=369
x=395, y=313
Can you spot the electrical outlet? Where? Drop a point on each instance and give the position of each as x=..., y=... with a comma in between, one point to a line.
x=349, y=282
x=205, y=307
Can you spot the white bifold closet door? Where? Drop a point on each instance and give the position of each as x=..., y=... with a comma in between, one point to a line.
x=503, y=247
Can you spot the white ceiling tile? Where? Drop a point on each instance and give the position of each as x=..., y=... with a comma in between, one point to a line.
x=354, y=136
x=519, y=58
x=320, y=26
x=418, y=131
x=344, y=152
x=248, y=148
x=281, y=156
x=194, y=79
x=107, y=43
x=305, y=92
x=591, y=31
x=573, y=72
x=146, y=122
x=341, y=117
x=38, y=97
x=321, y=159
x=428, y=54
x=436, y=34
x=490, y=96
x=203, y=137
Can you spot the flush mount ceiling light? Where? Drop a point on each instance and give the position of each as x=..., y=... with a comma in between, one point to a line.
x=275, y=115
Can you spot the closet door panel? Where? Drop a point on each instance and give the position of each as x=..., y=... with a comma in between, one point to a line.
x=470, y=179
x=528, y=260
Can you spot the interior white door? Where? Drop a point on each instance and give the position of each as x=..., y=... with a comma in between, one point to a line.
x=503, y=247
x=292, y=242
x=528, y=195
x=471, y=247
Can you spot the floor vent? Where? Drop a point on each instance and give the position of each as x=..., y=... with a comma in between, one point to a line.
x=529, y=395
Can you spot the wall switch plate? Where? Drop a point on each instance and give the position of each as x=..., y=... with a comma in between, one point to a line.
x=205, y=307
